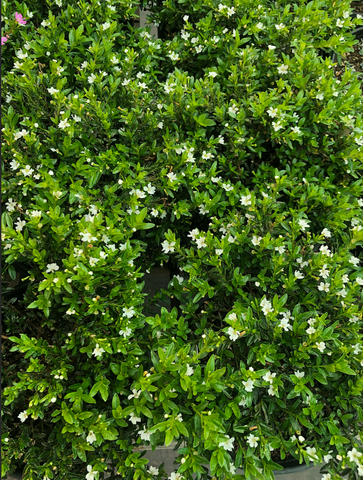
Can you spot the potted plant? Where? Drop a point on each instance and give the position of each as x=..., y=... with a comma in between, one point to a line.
x=220, y=151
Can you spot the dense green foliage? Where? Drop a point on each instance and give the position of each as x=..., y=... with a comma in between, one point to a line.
x=226, y=148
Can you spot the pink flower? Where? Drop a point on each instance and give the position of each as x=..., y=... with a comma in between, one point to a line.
x=19, y=18
x=4, y=39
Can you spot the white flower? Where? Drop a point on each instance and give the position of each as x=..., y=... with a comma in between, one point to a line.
x=52, y=90
x=179, y=417
x=168, y=247
x=324, y=250
x=230, y=11
x=63, y=124
x=152, y=470
x=323, y=287
x=52, y=267
x=213, y=74
x=342, y=293
x=203, y=210
x=283, y=69
x=271, y=47
x=280, y=249
x=135, y=394
x=91, y=437
x=129, y=312
x=249, y=385
x=193, y=234
x=301, y=438
x=246, y=200
x=189, y=371
x=359, y=280
x=260, y=26
x=280, y=26
x=293, y=438
x=284, y=323
x=201, y=242
x=97, y=352
x=252, y=440
x=340, y=23
x=354, y=260
x=242, y=402
x=311, y=451
x=185, y=35
x=125, y=333
x=134, y=419
x=310, y=330
x=160, y=125
x=326, y=476
x=327, y=458
x=91, y=78
x=321, y=346
x=93, y=261
x=22, y=133
x=106, y=25
x=296, y=129
x=268, y=377
x=142, y=84
x=14, y=164
x=303, y=224
x=171, y=176
x=277, y=126
x=23, y=416
x=91, y=473
x=227, y=444
x=266, y=306
x=233, y=334
x=299, y=374
x=10, y=205
x=219, y=251
x=298, y=274
x=326, y=233
x=324, y=272
x=27, y=171
x=256, y=240
x=357, y=349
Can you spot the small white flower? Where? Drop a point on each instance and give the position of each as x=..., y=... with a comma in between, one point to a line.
x=91, y=437
x=172, y=176
x=233, y=334
x=129, y=312
x=246, y=200
x=340, y=23
x=125, y=333
x=213, y=74
x=23, y=416
x=201, y=242
x=256, y=240
x=134, y=419
x=324, y=272
x=323, y=287
x=97, y=352
x=299, y=374
x=52, y=90
x=310, y=330
x=63, y=124
x=203, y=210
x=52, y=267
x=280, y=26
x=271, y=47
x=283, y=69
x=189, y=371
x=269, y=377
x=252, y=440
x=249, y=385
x=296, y=130
x=91, y=473
x=168, y=247
x=298, y=274
x=135, y=394
x=227, y=444
x=354, y=260
x=284, y=323
x=326, y=233
x=260, y=26
x=303, y=224
x=321, y=346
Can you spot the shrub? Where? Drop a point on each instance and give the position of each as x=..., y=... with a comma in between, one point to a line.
x=238, y=162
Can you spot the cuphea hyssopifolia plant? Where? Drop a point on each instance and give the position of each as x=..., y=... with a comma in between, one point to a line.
x=243, y=166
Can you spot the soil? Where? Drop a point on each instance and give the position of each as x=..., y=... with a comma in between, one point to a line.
x=357, y=6
x=353, y=59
